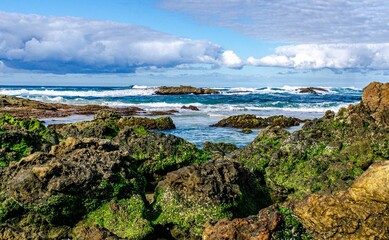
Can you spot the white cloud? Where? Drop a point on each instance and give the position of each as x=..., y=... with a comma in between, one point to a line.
x=77, y=45
x=336, y=56
x=294, y=21
x=231, y=60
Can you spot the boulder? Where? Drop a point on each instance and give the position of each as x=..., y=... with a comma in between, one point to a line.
x=184, y=90
x=360, y=212
x=248, y=121
x=194, y=195
x=376, y=100
x=219, y=149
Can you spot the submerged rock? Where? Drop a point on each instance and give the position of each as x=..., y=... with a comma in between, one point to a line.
x=184, y=90
x=191, y=196
x=248, y=121
x=190, y=107
x=312, y=90
x=360, y=212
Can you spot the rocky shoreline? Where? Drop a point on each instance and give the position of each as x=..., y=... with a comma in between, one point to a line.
x=114, y=178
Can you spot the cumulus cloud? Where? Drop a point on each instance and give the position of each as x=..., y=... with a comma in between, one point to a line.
x=294, y=21
x=336, y=56
x=77, y=45
x=231, y=60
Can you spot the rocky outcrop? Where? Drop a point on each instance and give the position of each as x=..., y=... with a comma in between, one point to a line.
x=361, y=212
x=325, y=156
x=312, y=90
x=251, y=121
x=375, y=98
x=184, y=90
x=191, y=196
x=190, y=107
x=26, y=108
x=107, y=124
x=219, y=149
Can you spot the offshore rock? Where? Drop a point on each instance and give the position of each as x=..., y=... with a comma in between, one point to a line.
x=252, y=121
x=360, y=212
x=190, y=107
x=194, y=195
x=375, y=98
x=184, y=90
x=312, y=90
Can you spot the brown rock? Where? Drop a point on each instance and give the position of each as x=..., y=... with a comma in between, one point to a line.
x=190, y=107
x=258, y=227
x=376, y=99
x=361, y=212
x=312, y=90
x=252, y=121
x=184, y=90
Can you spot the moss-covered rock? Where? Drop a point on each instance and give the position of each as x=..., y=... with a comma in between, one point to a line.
x=194, y=195
x=18, y=138
x=219, y=149
x=125, y=218
x=248, y=121
x=326, y=155
x=163, y=90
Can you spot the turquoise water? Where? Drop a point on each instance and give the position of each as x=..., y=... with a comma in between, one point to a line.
x=194, y=125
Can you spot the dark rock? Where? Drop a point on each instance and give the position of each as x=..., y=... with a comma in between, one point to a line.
x=184, y=90
x=220, y=149
x=194, y=195
x=190, y=107
x=251, y=121
x=160, y=113
x=161, y=123
x=312, y=90
x=107, y=114
x=360, y=212
x=247, y=130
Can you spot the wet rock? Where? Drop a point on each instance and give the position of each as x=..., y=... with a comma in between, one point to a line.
x=161, y=123
x=247, y=130
x=184, y=90
x=194, y=195
x=260, y=226
x=312, y=90
x=376, y=100
x=251, y=121
x=219, y=149
x=107, y=114
x=360, y=212
x=190, y=107
x=160, y=113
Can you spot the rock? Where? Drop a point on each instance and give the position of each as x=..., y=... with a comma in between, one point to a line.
x=107, y=125
x=59, y=187
x=160, y=113
x=247, y=130
x=376, y=100
x=194, y=195
x=156, y=153
x=360, y=212
x=312, y=90
x=260, y=226
x=219, y=149
x=251, y=121
x=325, y=156
x=26, y=108
x=190, y=107
x=184, y=90
x=93, y=233
x=124, y=219
x=18, y=138
x=106, y=114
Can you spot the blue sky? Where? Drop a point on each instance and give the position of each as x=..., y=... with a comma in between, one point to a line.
x=214, y=43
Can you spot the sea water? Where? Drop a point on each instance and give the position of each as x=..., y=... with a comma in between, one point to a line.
x=194, y=125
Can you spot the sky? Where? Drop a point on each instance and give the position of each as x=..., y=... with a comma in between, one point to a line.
x=194, y=42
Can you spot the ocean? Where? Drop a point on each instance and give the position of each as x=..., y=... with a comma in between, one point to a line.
x=194, y=125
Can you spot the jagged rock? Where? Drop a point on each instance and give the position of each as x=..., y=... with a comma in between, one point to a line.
x=251, y=121
x=184, y=90
x=56, y=189
x=247, y=130
x=326, y=155
x=190, y=107
x=376, y=100
x=361, y=212
x=107, y=114
x=219, y=149
x=193, y=195
x=260, y=226
x=312, y=90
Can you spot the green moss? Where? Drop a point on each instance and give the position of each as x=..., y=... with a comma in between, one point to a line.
x=9, y=208
x=125, y=218
x=188, y=218
x=291, y=228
